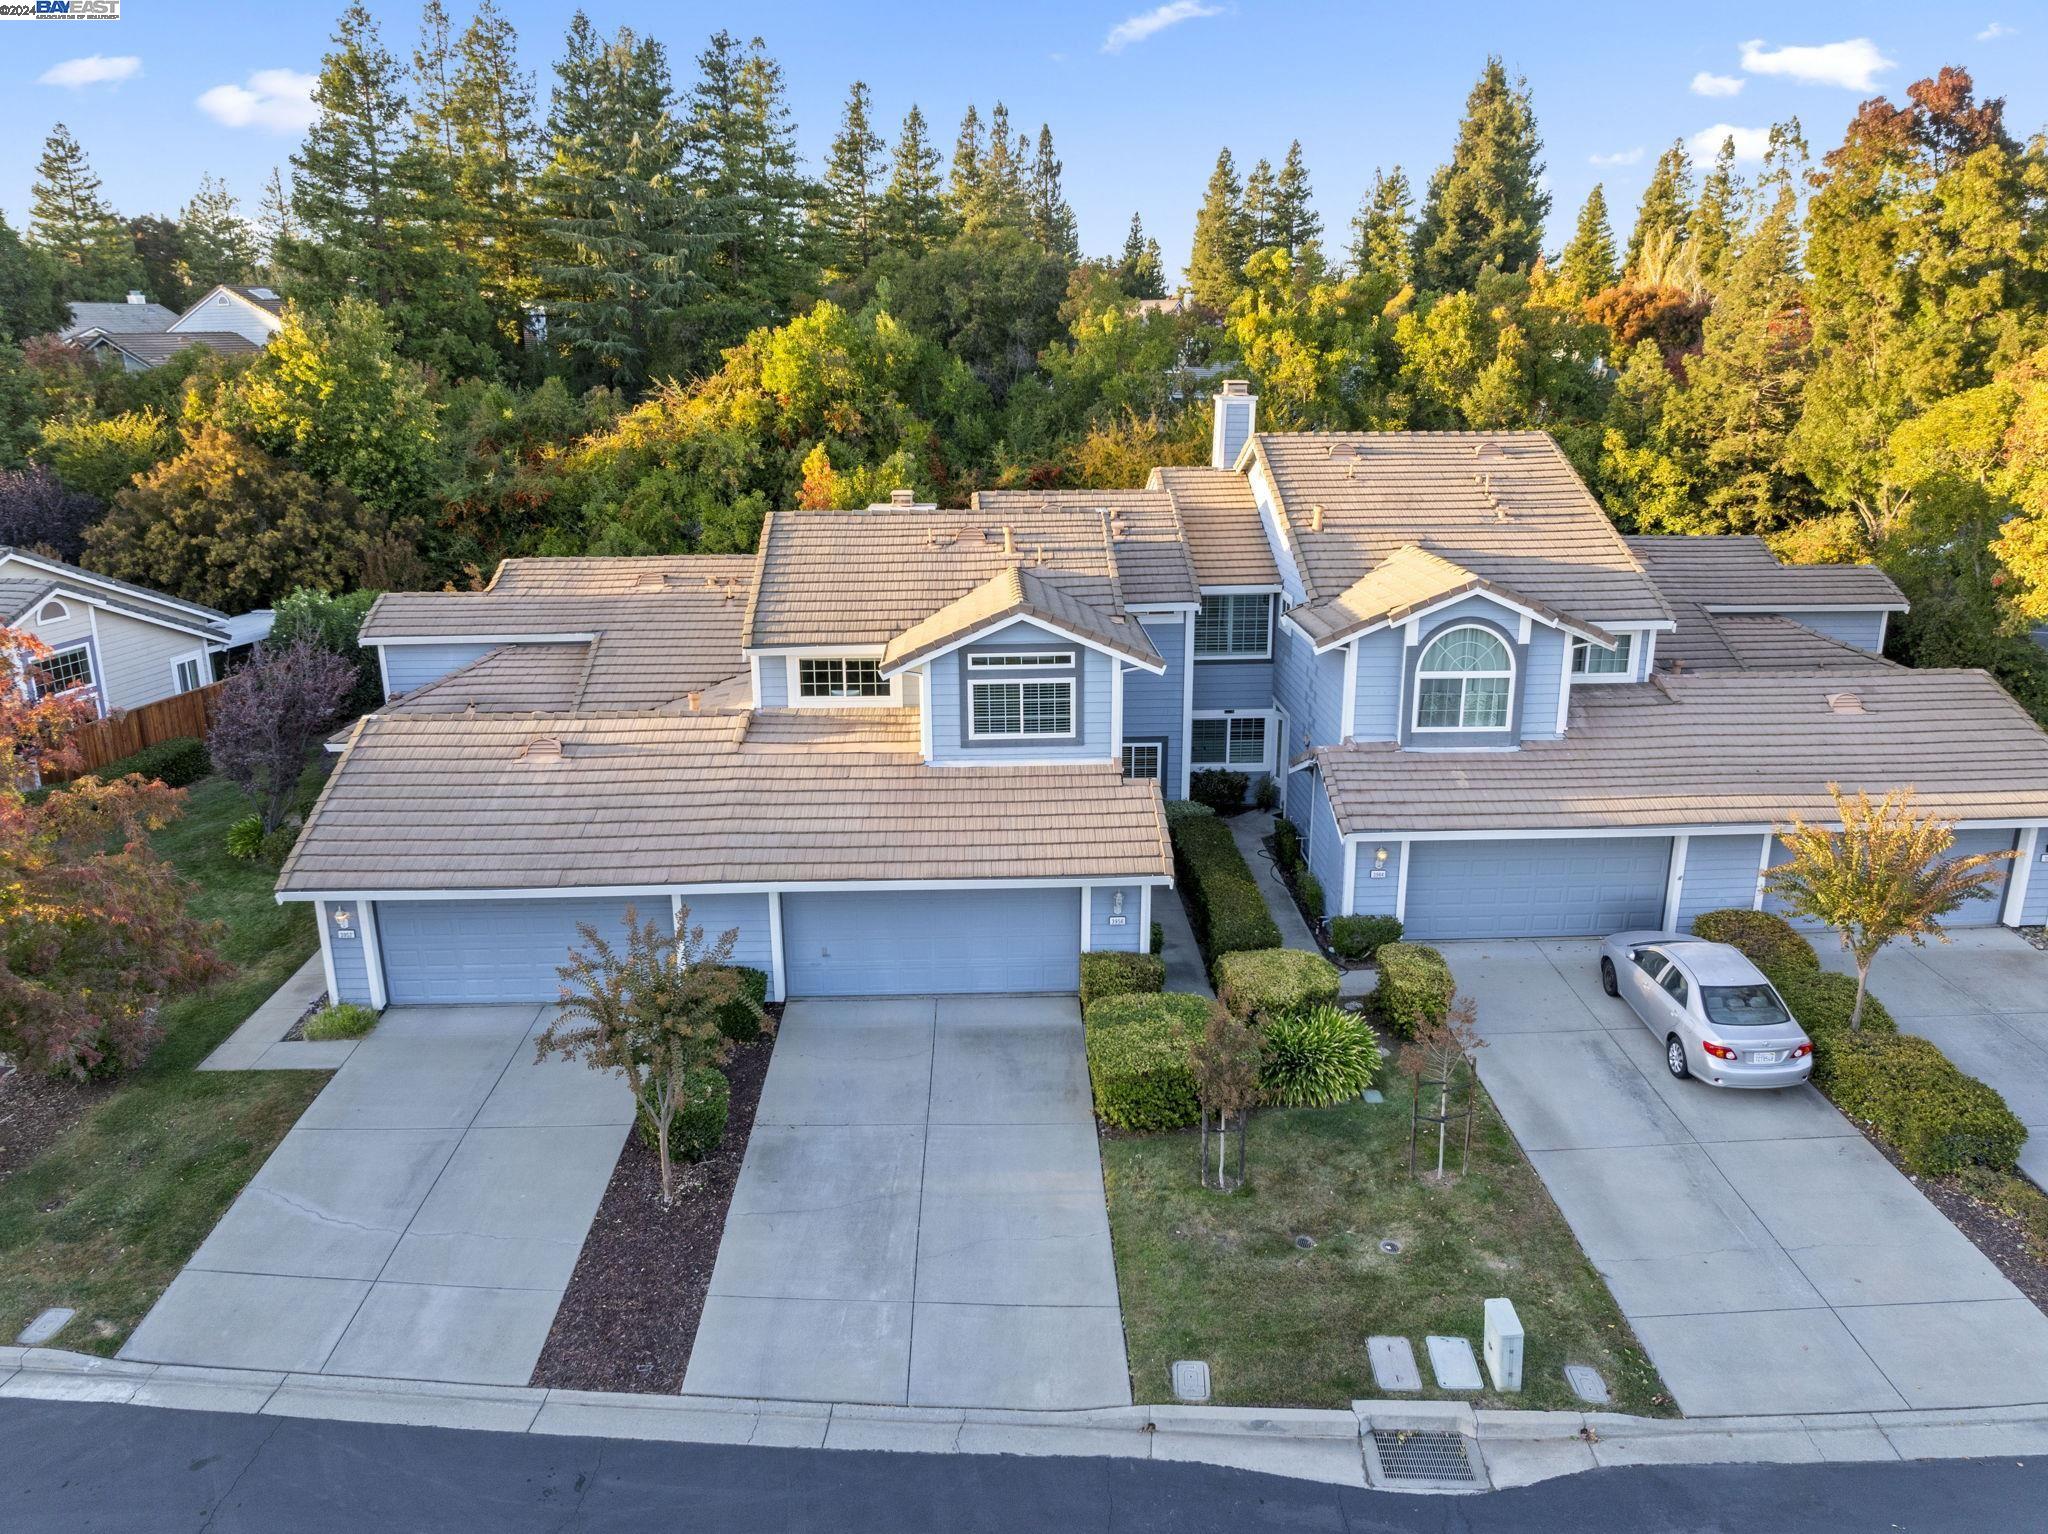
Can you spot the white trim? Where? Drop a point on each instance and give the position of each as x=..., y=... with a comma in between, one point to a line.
x=1803, y=607
x=1763, y=868
x=1884, y=628
x=1665, y=828
x=863, y=651
x=1412, y=619
x=194, y=658
x=1116, y=712
x=373, y=954
x=1564, y=696
x=44, y=615
x=1606, y=678
x=1265, y=652
x=1024, y=660
x=1087, y=915
x=893, y=698
x=1524, y=628
x=1157, y=668
x=1264, y=764
x=1145, y=918
x=1674, y=881
x=62, y=572
x=775, y=961
x=754, y=678
x=1348, y=706
x=2023, y=868
x=586, y=637
x=1243, y=591
x=1187, y=708
x=675, y=914
x=1401, y=881
x=1072, y=732
x=1437, y=637
x=924, y=711
x=786, y=887
x=1349, y=852
x=100, y=699
x=1157, y=748
x=327, y=955
x=384, y=672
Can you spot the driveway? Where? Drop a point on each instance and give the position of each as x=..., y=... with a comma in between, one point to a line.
x=420, y=1221
x=919, y=1219
x=1770, y=1260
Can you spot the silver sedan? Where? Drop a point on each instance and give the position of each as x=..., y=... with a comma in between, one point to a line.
x=1719, y=1018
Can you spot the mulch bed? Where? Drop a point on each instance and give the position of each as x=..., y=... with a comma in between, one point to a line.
x=1997, y=1236
x=34, y=1110
x=630, y=1314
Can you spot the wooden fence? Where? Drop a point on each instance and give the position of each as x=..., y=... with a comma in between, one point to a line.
x=123, y=734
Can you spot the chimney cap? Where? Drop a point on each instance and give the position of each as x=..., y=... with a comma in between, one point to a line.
x=137, y=296
x=1236, y=386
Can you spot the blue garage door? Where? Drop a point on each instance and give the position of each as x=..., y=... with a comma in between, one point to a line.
x=909, y=942
x=1984, y=911
x=493, y=950
x=1581, y=887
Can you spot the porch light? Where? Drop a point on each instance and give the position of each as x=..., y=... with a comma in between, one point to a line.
x=1379, y=857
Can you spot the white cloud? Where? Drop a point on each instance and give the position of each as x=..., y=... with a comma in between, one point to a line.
x=1706, y=83
x=1854, y=65
x=94, y=69
x=1619, y=157
x=1751, y=144
x=1994, y=32
x=1135, y=29
x=277, y=100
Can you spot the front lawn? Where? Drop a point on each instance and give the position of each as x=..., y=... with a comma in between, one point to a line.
x=1221, y=1278
x=105, y=1217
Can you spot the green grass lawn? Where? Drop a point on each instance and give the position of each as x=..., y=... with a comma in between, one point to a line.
x=105, y=1217
x=1219, y=1277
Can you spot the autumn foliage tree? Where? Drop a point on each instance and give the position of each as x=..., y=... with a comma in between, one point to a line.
x=270, y=715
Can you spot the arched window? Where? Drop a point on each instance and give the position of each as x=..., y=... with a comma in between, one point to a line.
x=1464, y=681
x=53, y=612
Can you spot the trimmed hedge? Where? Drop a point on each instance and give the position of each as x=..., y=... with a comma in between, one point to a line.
x=698, y=1125
x=1271, y=982
x=1138, y=1065
x=1224, y=903
x=1822, y=1000
x=1316, y=1057
x=1938, y=1119
x=1286, y=843
x=175, y=763
x=1771, y=942
x=1358, y=938
x=1179, y=810
x=1415, y=988
x=1120, y=974
x=1219, y=788
x=738, y=1021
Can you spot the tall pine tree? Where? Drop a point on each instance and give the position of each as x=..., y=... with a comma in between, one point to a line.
x=1222, y=242
x=218, y=244
x=1052, y=220
x=1383, y=230
x=77, y=228
x=492, y=104
x=1716, y=218
x=1258, y=208
x=1664, y=212
x=1296, y=227
x=913, y=211
x=1139, y=270
x=849, y=204
x=1587, y=266
x=1487, y=206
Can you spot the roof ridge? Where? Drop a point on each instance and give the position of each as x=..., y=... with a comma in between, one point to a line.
x=754, y=586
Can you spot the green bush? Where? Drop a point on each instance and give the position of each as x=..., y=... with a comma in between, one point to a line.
x=1120, y=974
x=174, y=763
x=1138, y=1063
x=1316, y=1057
x=1286, y=843
x=1158, y=938
x=1269, y=982
x=244, y=838
x=738, y=1021
x=1222, y=790
x=277, y=846
x=1179, y=811
x=1771, y=942
x=1267, y=795
x=1415, y=988
x=697, y=1127
x=1311, y=892
x=2015, y=1198
x=1938, y=1119
x=1358, y=938
x=345, y=1021
x=1821, y=1000
x=1224, y=902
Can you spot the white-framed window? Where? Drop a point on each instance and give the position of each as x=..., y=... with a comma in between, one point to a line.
x=189, y=673
x=1022, y=710
x=1142, y=759
x=1012, y=660
x=1465, y=680
x=1615, y=665
x=1238, y=626
x=53, y=611
x=67, y=669
x=839, y=677
x=1231, y=740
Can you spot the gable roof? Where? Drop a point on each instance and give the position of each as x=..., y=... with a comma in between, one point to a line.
x=1226, y=540
x=1410, y=580
x=265, y=300
x=22, y=566
x=153, y=350
x=1021, y=593
x=1756, y=642
x=1152, y=560
x=1505, y=505
x=117, y=319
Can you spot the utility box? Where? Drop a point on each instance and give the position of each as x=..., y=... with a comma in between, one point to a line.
x=1504, y=1345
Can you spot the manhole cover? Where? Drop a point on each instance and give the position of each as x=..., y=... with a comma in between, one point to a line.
x=45, y=1326
x=1191, y=1380
x=1391, y=1247
x=1306, y=1243
x=1586, y=1383
x=1421, y=1459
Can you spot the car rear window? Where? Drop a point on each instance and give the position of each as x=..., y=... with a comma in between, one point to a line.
x=1743, y=1006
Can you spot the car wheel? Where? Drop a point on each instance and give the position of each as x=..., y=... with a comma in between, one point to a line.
x=1608, y=983
x=1674, y=1057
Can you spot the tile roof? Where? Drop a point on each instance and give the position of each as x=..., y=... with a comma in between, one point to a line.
x=1152, y=561
x=1505, y=505
x=1755, y=642
x=1020, y=593
x=518, y=679
x=125, y=319
x=152, y=349
x=57, y=572
x=1408, y=580
x=1733, y=748
x=18, y=595
x=461, y=803
x=1225, y=539
x=1738, y=571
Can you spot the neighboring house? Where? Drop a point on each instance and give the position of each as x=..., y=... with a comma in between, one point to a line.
x=138, y=314
x=141, y=335
x=128, y=644
x=910, y=750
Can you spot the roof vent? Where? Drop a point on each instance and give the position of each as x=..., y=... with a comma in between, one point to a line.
x=1846, y=703
x=696, y=700
x=135, y=296
x=1315, y=519
x=263, y=293
x=542, y=748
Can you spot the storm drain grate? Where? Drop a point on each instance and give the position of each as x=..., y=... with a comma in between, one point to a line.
x=1421, y=1459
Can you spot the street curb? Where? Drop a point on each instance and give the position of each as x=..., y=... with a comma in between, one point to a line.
x=1506, y=1448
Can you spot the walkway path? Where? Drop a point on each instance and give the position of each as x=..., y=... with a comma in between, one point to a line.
x=1250, y=831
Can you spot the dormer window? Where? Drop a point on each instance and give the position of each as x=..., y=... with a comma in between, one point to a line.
x=1465, y=681
x=837, y=677
x=1615, y=665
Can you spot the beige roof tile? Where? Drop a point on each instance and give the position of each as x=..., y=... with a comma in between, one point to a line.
x=1225, y=539
x=1020, y=593
x=1735, y=572
x=1410, y=579
x=1152, y=561
x=1764, y=642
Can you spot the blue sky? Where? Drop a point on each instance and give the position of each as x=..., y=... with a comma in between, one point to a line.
x=1139, y=96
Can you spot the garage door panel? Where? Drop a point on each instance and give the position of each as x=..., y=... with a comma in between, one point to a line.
x=892, y=943
x=1575, y=887
x=438, y=951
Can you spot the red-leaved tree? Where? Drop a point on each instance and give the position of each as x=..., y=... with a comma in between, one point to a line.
x=36, y=724
x=270, y=715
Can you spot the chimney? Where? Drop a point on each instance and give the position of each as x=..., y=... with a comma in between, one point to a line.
x=902, y=498
x=1237, y=410
x=135, y=296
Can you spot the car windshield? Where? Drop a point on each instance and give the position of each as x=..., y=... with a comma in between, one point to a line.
x=1743, y=1006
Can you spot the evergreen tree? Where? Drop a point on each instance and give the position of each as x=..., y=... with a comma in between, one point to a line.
x=1712, y=227
x=1486, y=207
x=1052, y=220
x=1296, y=228
x=1666, y=208
x=1221, y=245
x=913, y=211
x=1383, y=230
x=433, y=81
x=970, y=148
x=277, y=227
x=29, y=305
x=1258, y=209
x=160, y=251
x=77, y=228
x=1000, y=196
x=217, y=243
x=1139, y=270
x=1587, y=266
x=491, y=109
x=850, y=205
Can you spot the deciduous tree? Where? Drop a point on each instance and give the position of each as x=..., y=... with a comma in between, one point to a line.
x=270, y=715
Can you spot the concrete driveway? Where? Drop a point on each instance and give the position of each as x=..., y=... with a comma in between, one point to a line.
x=919, y=1219
x=1769, y=1258
x=420, y=1221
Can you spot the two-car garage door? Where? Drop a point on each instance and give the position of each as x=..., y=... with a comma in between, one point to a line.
x=440, y=951
x=1572, y=887
x=890, y=943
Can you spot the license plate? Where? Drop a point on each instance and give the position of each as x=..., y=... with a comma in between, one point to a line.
x=1764, y=1057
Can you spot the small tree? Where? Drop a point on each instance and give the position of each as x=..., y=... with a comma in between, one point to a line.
x=650, y=1012
x=1886, y=874
x=36, y=723
x=269, y=717
x=334, y=624
x=1440, y=1048
x=39, y=511
x=1226, y=1066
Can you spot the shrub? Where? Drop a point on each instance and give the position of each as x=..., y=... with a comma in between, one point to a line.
x=1158, y=938
x=1120, y=974
x=343, y=1021
x=1267, y=795
x=738, y=1021
x=1316, y=1057
x=1771, y=942
x=1821, y=1000
x=244, y=838
x=1286, y=843
x=1938, y=1119
x=697, y=1126
x=1222, y=790
x=1311, y=892
x=1358, y=938
x=1224, y=903
x=277, y=846
x=1179, y=811
x=1415, y=988
x=175, y=763
x=1272, y=981
x=2015, y=1198
x=1138, y=1062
